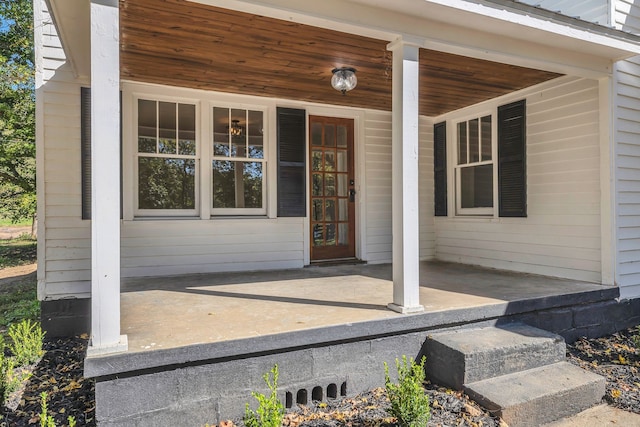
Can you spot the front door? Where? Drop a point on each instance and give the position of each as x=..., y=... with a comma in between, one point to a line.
x=332, y=188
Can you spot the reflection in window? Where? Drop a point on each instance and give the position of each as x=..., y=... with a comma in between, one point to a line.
x=167, y=152
x=238, y=163
x=166, y=183
x=237, y=184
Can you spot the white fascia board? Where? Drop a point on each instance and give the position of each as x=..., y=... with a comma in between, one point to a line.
x=72, y=21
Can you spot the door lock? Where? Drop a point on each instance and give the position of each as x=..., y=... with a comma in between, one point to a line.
x=352, y=195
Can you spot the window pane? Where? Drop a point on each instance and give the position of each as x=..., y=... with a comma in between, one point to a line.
x=238, y=133
x=342, y=185
x=224, y=184
x=252, y=183
x=486, y=137
x=316, y=160
x=166, y=183
x=330, y=161
x=256, y=130
x=221, y=132
x=342, y=136
x=187, y=129
x=330, y=136
x=318, y=235
x=317, y=210
x=343, y=234
x=331, y=235
x=317, y=187
x=316, y=134
x=474, y=141
x=167, y=128
x=343, y=210
x=146, y=126
x=462, y=143
x=329, y=184
x=237, y=184
x=342, y=160
x=330, y=211
x=477, y=186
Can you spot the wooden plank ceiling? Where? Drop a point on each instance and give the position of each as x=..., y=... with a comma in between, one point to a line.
x=179, y=43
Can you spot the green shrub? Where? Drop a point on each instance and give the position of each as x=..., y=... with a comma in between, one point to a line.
x=47, y=420
x=270, y=410
x=636, y=338
x=409, y=403
x=26, y=345
x=4, y=367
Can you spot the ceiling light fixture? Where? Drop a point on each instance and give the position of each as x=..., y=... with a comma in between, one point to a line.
x=344, y=79
x=236, y=129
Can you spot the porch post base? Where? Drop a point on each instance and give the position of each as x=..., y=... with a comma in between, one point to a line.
x=404, y=309
x=120, y=347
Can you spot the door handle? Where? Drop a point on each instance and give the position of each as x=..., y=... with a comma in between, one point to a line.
x=352, y=195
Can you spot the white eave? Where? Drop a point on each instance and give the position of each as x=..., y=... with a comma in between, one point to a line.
x=497, y=30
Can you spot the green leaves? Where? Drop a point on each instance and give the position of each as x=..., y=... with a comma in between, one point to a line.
x=409, y=403
x=26, y=341
x=17, y=110
x=270, y=410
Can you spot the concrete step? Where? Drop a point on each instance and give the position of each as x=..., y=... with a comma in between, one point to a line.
x=469, y=355
x=538, y=396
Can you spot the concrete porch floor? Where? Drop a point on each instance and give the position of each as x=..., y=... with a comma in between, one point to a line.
x=160, y=313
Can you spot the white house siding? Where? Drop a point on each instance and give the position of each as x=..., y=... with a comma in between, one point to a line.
x=155, y=248
x=66, y=239
x=561, y=235
x=378, y=187
x=626, y=158
x=587, y=10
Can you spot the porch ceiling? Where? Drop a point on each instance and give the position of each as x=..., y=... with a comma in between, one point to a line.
x=194, y=45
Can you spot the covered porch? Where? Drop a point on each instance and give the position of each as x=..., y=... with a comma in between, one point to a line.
x=330, y=303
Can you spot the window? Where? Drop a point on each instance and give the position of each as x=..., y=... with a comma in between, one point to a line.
x=166, y=158
x=474, y=169
x=488, y=154
x=238, y=164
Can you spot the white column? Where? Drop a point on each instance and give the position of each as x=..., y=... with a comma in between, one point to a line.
x=406, y=276
x=105, y=173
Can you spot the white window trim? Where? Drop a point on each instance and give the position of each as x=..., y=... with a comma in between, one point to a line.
x=204, y=101
x=216, y=212
x=135, y=155
x=452, y=123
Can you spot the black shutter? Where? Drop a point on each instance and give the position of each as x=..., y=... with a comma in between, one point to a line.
x=85, y=150
x=440, y=168
x=292, y=134
x=512, y=154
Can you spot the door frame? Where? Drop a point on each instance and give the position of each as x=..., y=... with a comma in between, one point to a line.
x=358, y=117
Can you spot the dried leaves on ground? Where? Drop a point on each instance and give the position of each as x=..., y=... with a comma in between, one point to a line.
x=60, y=374
x=616, y=358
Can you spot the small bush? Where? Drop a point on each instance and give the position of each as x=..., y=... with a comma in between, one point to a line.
x=47, y=420
x=5, y=365
x=270, y=410
x=26, y=345
x=409, y=403
x=636, y=339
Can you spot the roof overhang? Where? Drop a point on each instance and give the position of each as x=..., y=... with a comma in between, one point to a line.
x=496, y=30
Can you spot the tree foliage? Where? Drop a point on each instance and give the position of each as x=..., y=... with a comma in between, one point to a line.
x=17, y=110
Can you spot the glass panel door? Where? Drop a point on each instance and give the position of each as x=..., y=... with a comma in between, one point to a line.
x=332, y=188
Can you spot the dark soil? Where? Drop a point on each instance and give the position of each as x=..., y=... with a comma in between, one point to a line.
x=60, y=374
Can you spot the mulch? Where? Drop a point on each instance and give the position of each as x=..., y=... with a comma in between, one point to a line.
x=616, y=358
x=60, y=374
